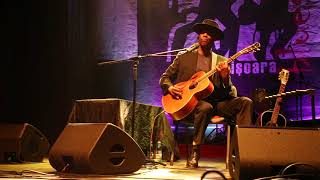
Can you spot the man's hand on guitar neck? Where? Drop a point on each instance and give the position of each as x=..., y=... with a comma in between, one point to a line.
x=176, y=92
x=223, y=69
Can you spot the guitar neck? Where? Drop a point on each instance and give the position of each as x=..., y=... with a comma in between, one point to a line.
x=211, y=72
x=276, y=108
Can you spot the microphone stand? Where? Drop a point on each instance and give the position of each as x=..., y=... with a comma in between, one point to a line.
x=136, y=60
x=301, y=77
x=306, y=84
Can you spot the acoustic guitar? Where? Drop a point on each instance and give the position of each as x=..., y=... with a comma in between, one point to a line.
x=273, y=118
x=196, y=88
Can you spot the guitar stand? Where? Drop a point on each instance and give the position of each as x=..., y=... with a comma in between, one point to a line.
x=298, y=94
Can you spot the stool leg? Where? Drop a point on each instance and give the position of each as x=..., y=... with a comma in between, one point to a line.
x=189, y=136
x=228, y=146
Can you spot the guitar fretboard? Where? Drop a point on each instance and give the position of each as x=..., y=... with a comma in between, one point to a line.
x=251, y=48
x=211, y=72
x=276, y=109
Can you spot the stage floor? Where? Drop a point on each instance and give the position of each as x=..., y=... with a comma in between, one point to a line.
x=178, y=171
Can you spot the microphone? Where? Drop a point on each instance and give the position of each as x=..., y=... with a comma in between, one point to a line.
x=192, y=47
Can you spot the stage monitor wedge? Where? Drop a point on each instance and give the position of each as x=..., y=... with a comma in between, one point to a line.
x=95, y=148
x=257, y=152
x=22, y=142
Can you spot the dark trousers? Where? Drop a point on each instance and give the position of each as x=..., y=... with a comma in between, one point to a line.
x=238, y=108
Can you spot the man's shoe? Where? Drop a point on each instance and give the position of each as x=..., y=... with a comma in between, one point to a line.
x=193, y=163
x=195, y=156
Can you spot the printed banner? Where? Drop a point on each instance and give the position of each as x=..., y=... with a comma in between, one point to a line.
x=288, y=31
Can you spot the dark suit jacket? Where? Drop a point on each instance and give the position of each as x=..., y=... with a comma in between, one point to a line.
x=184, y=66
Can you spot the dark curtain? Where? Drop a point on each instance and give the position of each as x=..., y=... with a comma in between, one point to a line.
x=49, y=61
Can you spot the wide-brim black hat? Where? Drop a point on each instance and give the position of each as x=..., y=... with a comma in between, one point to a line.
x=210, y=26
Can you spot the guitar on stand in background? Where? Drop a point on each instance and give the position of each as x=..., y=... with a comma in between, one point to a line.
x=272, y=118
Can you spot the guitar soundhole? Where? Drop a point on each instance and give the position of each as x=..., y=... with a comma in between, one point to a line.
x=193, y=85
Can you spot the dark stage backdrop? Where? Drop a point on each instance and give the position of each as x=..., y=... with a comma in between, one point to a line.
x=288, y=31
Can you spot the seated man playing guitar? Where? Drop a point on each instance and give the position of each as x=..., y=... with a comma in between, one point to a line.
x=221, y=101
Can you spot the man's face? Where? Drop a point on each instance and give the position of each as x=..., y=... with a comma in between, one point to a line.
x=206, y=39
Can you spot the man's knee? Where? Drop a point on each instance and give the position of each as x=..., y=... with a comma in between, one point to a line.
x=204, y=106
x=246, y=101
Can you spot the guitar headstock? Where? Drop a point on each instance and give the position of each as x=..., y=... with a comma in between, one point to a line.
x=252, y=48
x=284, y=76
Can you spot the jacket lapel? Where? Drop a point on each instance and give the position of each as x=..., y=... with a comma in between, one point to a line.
x=214, y=59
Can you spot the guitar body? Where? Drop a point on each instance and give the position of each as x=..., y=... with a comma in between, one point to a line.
x=265, y=119
x=180, y=108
